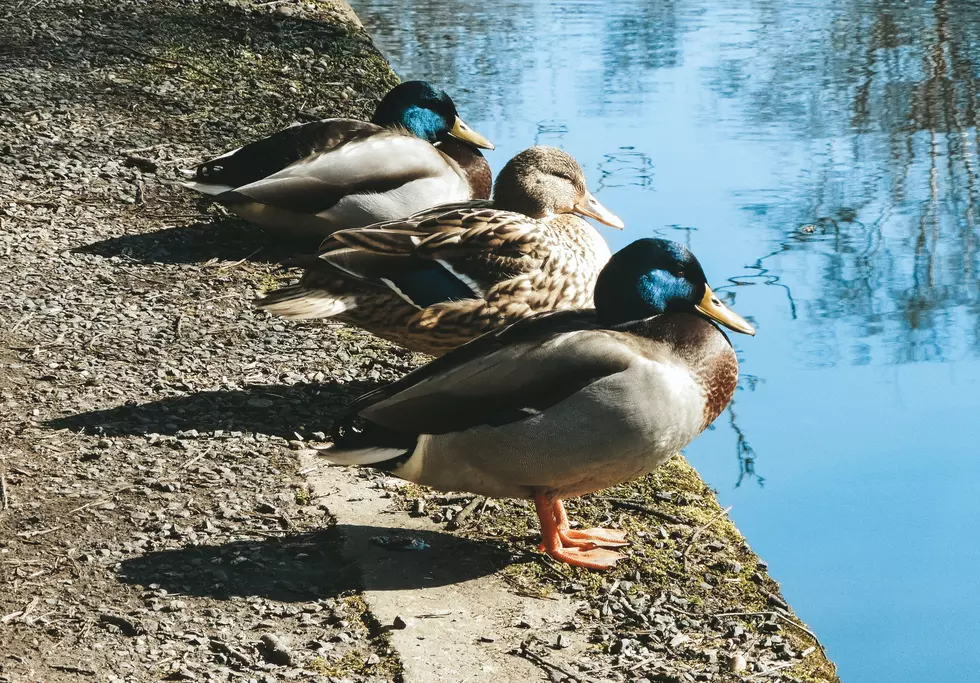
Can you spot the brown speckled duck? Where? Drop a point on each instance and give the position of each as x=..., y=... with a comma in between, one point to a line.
x=315, y=178
x=564, y=403
x=446, y=275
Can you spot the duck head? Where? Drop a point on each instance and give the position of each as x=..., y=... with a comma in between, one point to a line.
x=427, y=113
x=543, y=181
x=654, y=276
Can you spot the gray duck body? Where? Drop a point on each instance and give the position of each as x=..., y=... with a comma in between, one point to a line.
x=583, y=410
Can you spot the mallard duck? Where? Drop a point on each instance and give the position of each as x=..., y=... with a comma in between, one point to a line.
x=314, y=178
x=446, y=275
x=564, y=403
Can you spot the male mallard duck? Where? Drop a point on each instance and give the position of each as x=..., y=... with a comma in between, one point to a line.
x=314, y=178
x=564, y=403
x=444, y=276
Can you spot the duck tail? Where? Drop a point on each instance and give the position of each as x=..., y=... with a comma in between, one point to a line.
x=361, y=442
x=299, y=302
x=212, y=189
x=369, y=455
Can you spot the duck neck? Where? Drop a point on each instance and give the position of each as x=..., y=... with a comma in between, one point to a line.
x=701, y=347
x=472, y=163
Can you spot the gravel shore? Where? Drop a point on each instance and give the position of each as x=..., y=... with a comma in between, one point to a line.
x=155, y=521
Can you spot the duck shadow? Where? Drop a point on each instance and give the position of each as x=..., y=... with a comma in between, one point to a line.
x=310, y=566
x=277, y=410
x=224, y=239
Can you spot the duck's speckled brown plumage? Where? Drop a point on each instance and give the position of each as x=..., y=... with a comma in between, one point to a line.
x=551, y=265
x=556, y=272
x=507, y=264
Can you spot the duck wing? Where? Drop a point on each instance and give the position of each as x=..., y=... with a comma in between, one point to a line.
x=271, y=154
x=500, y=377
x=367, y=164
x=448, y=253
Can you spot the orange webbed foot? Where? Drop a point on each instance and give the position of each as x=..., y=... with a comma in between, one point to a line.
x=577, y=547
x=594, y=558
x=592, y=538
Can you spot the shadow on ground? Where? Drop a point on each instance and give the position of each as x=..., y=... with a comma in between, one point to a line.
x=277, y=410
x=225, y=239
x=309, y=566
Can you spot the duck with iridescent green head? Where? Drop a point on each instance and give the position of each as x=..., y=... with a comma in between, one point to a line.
x=315, y=178
x=564, y=403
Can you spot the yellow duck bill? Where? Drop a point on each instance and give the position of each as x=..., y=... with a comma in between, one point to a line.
x=712, y=307
x=591, y=207
x=463, y=132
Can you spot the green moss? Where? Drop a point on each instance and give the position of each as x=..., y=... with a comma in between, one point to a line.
x=302, y=495
x=351, y=663
x=389, y=667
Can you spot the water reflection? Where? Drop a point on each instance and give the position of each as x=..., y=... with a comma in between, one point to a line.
x=551, y=133
x=889, y=201
x=626, y=167
x=743, y=451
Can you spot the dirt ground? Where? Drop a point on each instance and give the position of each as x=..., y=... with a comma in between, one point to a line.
x=155, y=522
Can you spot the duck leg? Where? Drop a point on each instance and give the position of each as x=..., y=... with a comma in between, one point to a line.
x=586, y=538
x=589, y=557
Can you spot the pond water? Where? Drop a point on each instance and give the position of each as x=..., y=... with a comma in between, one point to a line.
x=820, y=159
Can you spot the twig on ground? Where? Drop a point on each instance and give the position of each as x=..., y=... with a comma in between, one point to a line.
x=101, y=501
x=193, y=460
x=148, y=148
x=648, y=660
x=155, y=58
x=697, y=532
x=313, y=468
x=4, y=496
x=628, y=504
x=32, y=534
x=770, y=671
x=525, y=651
x=239, y=262
x=20, y=614
x=23, y=319
x=73, y=669
x=464, y=514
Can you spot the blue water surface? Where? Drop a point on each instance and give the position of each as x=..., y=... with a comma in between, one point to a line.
x=820, y=159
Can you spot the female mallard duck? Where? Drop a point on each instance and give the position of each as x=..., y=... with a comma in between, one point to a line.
x=564, y=403
x=444, y=276
x=314, y=178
